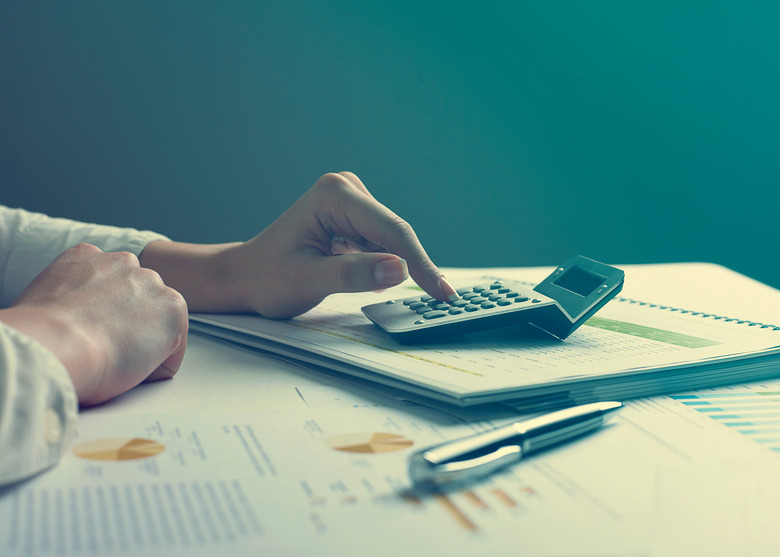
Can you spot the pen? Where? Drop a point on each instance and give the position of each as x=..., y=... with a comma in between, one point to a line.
x=481, y=454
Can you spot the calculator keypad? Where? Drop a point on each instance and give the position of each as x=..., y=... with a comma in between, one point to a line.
x=480, y=298
x=500, y=303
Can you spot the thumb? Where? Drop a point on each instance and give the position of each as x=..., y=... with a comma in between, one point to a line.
x=361, y=272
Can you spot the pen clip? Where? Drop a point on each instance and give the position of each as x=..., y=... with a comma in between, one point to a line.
x=423, y=471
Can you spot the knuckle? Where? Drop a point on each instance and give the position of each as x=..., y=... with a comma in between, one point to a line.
x=175, y=307
x=85, y=247
x=353, y=274
x=349, y=274
x=151, y=281
x=123, y=259
x=150, y=275
x=82, y=250
x=400, y=228
x=176, y=300
x=334, y=181
x=127, y=257
x=351, y=176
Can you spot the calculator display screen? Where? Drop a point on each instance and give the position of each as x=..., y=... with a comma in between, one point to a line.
x=579, y=281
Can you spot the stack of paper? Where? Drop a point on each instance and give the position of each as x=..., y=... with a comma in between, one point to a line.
x=631, y=348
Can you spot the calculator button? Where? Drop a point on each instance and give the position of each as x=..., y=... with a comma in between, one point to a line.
x=419, y=322
x=479, y=288
x=471, y=307
x=503, y=290
x=459, y=303
x=442, y=306
x=410, y=301
x=496, y=286
x=434, y=314
x=504, y=302
x=478, y=300
x=495, y=297
x=535, y=301
x=521, y=299
x=416, y=305
x=487, y=305
x=512, y=294
x=426, y=299
x=462, y=291
x=470, y=295
x=455, y=311
x=424, y=309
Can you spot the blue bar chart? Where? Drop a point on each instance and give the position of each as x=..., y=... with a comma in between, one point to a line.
x=755, y=414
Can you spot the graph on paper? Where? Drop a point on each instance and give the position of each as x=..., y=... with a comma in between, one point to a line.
x=378, y=442
x=118, y=448
x=755, y=414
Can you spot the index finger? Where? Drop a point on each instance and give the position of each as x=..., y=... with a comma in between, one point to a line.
x=379, y=225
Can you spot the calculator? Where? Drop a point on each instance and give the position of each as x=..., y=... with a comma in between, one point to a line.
x=558, y=305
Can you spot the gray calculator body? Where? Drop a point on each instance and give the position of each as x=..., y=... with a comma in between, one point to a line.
x=558, y=305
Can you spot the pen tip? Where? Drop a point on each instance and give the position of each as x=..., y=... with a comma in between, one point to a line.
x=610, y=407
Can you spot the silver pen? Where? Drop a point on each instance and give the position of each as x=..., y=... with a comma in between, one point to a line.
x=479, y=455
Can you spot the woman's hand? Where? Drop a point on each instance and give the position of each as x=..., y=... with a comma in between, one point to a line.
x=335, y=238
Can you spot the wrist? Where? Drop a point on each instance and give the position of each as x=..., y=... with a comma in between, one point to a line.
x=79, y=352
x=207, y=276
x=235, y=279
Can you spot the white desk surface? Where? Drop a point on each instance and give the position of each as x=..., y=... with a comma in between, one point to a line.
x=648, y=481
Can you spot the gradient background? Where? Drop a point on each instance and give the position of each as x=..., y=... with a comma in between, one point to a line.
x=512, y=133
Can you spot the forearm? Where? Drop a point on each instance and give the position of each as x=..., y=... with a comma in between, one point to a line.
x=206, y=275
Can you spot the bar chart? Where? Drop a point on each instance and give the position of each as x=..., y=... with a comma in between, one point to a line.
x=755, y=414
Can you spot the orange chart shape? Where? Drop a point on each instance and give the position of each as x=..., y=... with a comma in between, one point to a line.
x=369, y=442
x=118, y=448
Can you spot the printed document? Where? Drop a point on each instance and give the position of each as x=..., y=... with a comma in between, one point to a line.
x=627, y=341
x=330, y=477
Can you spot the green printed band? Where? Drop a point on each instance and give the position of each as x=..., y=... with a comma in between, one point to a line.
x=650, y=333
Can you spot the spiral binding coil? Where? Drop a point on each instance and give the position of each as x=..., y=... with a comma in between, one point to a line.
x=688, y=312
x=723, y=318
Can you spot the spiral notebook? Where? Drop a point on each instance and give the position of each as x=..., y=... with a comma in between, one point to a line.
x=648, y=342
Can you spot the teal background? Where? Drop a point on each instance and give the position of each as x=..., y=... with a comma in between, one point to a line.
x=507, y=133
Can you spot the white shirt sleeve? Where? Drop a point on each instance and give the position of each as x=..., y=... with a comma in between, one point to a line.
x=29, y=242
x=37, y=406
x=38, y=403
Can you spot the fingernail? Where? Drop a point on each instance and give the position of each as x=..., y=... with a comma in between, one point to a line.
x=390, y=271
x=448, y=290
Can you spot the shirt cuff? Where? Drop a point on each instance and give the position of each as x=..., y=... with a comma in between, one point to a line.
x=38, y=407
x=40, y=239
